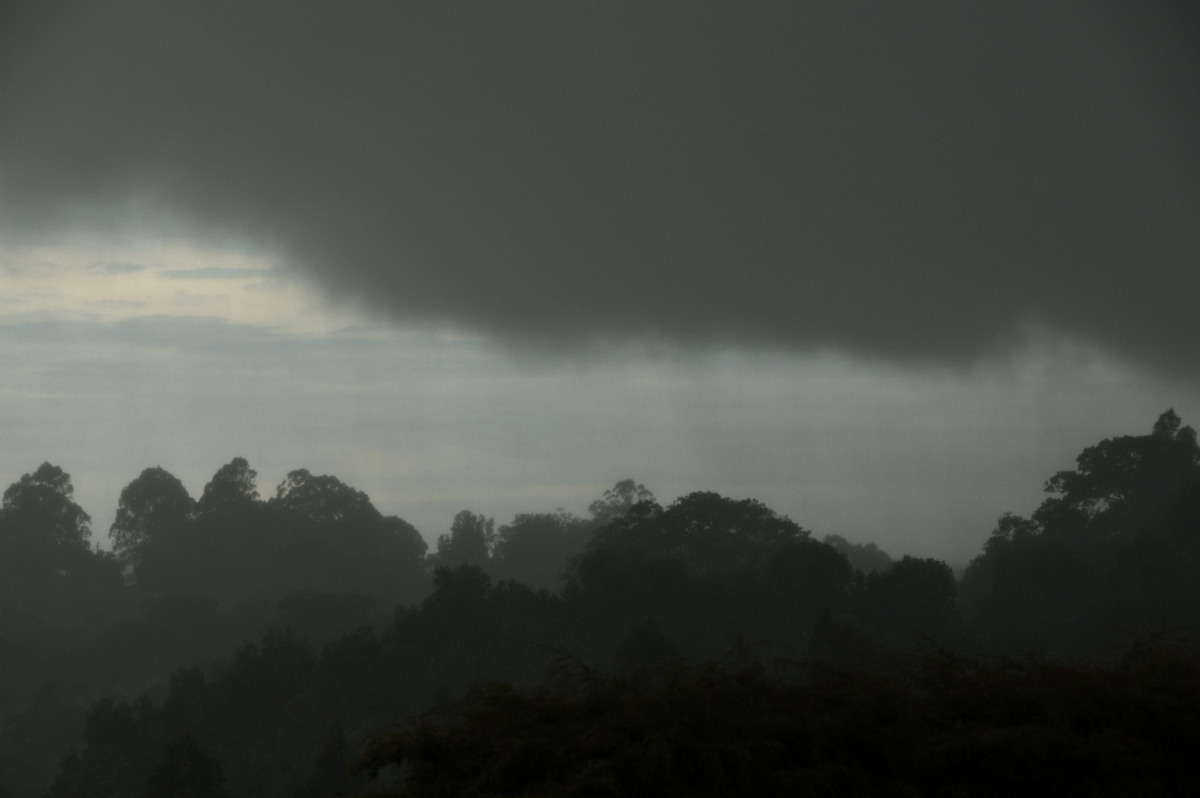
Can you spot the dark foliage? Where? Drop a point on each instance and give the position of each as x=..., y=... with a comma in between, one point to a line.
x=865, y=557
x=536, y=547
x=937, y=725
x=705, y=531
x=317, y=534
x=470, y=542
x=356, y=628
x=1108, y=557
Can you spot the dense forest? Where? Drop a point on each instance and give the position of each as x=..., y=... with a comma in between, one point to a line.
x=306, y=645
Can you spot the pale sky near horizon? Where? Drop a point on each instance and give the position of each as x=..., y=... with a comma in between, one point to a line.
x=137, y=354
x=884, y=269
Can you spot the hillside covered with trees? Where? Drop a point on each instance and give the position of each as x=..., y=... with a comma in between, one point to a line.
x=306, y=645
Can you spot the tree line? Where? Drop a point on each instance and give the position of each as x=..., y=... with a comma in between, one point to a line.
x=121, y=680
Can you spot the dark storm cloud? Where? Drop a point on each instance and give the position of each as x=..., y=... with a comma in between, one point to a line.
x=909, y=180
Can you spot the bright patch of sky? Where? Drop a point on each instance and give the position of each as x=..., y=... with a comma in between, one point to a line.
x=92, y=279
x=125, y=354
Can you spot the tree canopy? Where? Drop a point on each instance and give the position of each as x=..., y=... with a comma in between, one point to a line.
x=712, y=644
x=1102, y=546
x=44, y=534
x=233, y=487
x=705, y=530
x=155, y=503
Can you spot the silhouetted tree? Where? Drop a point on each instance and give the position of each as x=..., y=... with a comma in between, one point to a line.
x=608, y=591
x=704, y=530
x=536, y=547
x=1098, y=561
x=912, y=604
x=865, y=557
x=232, y=488
x=152, y=506
x=224, y=547
x=618, y=500
x=1025, y=590
x=40, y=526
x=47, y=565
x=800, y=581
x=57, y=593
x=809, y=573
x=323, y=498
x=469, y=630
x=361, y=552
x=469, y=543
x=1121, y=482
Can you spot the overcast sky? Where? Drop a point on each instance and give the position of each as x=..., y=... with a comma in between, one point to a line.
x=885, y=266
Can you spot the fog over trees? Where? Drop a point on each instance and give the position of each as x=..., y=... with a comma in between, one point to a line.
x=303, y=644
